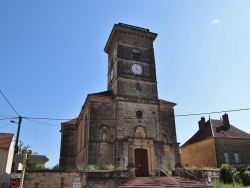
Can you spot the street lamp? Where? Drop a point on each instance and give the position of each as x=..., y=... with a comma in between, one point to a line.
x=17, y=139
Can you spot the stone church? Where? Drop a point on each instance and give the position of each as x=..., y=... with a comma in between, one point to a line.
x=127, y=125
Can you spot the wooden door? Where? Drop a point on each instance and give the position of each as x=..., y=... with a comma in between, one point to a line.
x=141, y=163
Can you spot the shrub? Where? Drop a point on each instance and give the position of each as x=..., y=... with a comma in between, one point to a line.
x=244, y=175
x=97, y=167
x=108, y=167
x=227, y=173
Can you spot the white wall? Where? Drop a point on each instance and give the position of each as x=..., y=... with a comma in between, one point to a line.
x=6, y=157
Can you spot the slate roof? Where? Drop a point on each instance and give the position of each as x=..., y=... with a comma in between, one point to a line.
x=5, y=140
x=216, y=129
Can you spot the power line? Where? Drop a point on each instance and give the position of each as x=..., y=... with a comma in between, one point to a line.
x=43, y=123
x=8, y=118
x=9, y=103
x=196, y=114
x=207, y=113
x=63, y=119
x=4, y=125
x=45, y=118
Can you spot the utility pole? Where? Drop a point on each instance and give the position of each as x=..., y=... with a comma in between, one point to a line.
x=17, y=136
x=24, y=167
x=16, y=143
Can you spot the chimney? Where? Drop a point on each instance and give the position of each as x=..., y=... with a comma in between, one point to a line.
x=202, y=123
x=226, y=121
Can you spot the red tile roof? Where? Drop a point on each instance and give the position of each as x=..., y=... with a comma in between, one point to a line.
x=216, y=129
x=5, y=140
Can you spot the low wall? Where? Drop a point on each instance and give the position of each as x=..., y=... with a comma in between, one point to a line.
x=65, y=179
x=199, y=174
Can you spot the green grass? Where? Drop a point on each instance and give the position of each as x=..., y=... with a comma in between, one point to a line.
x=222, y=185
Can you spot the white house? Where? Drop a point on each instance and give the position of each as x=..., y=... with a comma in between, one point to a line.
x=6, y=156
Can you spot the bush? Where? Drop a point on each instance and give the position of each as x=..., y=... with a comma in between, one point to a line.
x=244, y=175
x=227, y=173
x=97, y=167
x=108, y=167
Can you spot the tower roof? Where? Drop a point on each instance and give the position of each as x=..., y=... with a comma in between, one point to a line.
x=128, y=29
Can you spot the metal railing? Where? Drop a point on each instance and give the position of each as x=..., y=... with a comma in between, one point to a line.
x=198, y=179
x=160, y=170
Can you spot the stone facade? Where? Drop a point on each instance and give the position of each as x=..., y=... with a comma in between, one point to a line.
x=127, y=125
x=241, y=147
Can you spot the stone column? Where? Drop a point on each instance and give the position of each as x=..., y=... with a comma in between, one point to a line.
x=131, y=165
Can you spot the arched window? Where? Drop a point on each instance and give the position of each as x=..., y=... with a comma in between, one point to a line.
x=165, y=138
x=104, y=134
x=136, y=54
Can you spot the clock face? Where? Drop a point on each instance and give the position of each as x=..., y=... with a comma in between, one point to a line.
x=136, y=68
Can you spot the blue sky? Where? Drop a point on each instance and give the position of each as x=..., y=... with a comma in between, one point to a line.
x=51, y=57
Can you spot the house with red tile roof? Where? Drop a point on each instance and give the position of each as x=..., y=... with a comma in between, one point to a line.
x=216, y=142
x=6, y=156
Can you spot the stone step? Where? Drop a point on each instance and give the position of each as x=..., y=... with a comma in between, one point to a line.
x=161, y=182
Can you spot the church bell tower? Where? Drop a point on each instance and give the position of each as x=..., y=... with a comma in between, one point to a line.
x=131, y=62
x=127, y=125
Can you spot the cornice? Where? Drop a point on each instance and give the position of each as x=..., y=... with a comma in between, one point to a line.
x=129, y=30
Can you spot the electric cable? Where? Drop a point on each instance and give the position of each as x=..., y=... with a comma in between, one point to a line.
x=182, y=115
x=9, y=103
x=4, y=125
x=43, y=123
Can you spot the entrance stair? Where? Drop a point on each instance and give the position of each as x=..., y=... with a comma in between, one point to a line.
x=163, y=181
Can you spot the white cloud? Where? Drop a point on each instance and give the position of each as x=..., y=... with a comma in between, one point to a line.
x=215, y=21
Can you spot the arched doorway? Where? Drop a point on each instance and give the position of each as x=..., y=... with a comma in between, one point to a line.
x=141, y=163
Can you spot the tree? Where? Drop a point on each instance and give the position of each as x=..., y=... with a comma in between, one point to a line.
x=30, y=166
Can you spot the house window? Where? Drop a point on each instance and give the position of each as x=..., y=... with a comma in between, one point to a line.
x=226, y=157
x=136, y=54
x=236, y=157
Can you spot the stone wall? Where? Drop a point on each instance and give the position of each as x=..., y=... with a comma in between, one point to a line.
x=65, y=179
x=200, y=174
x=68, y=145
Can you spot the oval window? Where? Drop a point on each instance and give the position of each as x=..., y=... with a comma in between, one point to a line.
x=139, y=114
